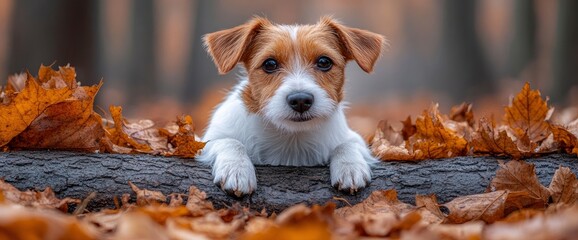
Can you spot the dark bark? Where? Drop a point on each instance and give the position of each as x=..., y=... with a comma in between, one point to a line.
x=75, y=175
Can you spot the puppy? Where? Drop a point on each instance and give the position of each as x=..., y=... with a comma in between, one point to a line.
x=288, y=107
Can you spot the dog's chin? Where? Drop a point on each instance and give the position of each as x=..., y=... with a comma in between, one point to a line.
x=301, y=119
x=296, y=124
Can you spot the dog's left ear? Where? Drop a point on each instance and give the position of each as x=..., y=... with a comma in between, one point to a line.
x=363, y=46
x=227, y=47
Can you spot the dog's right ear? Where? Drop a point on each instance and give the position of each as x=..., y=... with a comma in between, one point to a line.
x=227, y=47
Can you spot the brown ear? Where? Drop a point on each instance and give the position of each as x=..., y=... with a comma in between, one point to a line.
x=361, y=45
x=227, y=47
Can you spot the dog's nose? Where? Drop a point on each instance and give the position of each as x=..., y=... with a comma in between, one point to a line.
x=300, y=101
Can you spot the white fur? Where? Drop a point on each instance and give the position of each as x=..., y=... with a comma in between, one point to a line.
x=237, y=139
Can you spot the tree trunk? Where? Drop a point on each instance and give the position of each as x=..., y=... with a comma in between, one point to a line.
x=75, y=175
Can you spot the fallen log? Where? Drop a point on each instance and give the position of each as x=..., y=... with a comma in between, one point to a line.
x=73, y=174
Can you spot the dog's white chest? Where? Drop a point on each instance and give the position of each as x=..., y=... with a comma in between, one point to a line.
x=290, y=150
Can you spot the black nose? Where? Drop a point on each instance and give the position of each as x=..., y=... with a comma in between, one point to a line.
x=300, y=102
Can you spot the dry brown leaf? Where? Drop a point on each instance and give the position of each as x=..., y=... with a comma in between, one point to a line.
x=488, y=207
x=408, y=129
x=185, y=141
x=118, y=135
x=382, y=201
x=486, y=141
x=136, y=225
x=433, y=140
x=521, y=215
x=70, y=124
x=561, y=225
x=520, y=179
x=470, y=230
x=462, y=113
x=30, y=198
x=429, y=210
x=197, y=202
x=388, y=144
x=564, y=138
x=24, y=223
x=299, y=222
x=26, y=106
x=564, y=186
x=146, y=197
x=527, y=115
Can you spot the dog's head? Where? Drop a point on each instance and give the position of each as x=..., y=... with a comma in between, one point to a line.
x=296, y=73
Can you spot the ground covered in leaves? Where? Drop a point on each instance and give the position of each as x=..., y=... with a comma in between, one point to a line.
x=53, y=111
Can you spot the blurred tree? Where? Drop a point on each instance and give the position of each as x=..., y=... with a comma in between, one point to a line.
x=54, y=31
x=523, y=44
x=464, y=71
x=141, y=81
x=565, y=69
x=201, y=71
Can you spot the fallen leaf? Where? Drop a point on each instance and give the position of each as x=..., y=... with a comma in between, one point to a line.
x=564, y=186
x=486, y=141
x=135, y=225
x=408, y=129
x=70, y=124
x=561, y=225
x=185, y=141
x=26, y=106
x=118, y=134
x=429, y=209
x=527, y=115
x=45, y=199
x=197, y=202
x=520, y=179
x=388, y=144
x=297, y=222
x=433, y=140
x=24, y=223
x=564, y=138
x=382, y=201
x=462, y=113
x=488, y=207
x=147, y=197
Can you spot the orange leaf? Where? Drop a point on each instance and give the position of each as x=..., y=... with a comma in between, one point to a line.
x=70, y=124
x=565, y=139
x=298, y=222
x=26, y=106
x=462, y=113
x=527, y=115
x=433, y=140
x=486, y=141
x=185, y=142
x=118, y=135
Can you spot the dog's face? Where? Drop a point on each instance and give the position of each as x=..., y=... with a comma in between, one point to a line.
x=295, y=73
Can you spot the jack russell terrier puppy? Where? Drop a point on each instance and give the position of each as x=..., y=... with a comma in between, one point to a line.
x=288, y=107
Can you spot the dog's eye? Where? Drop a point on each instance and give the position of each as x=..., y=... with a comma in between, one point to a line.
x=270, y=65
x=324, y=64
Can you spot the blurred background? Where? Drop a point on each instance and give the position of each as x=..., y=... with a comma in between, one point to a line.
x=150, y=56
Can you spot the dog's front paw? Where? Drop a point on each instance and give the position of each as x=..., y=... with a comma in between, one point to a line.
x=236, y=178
x=350, y=176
